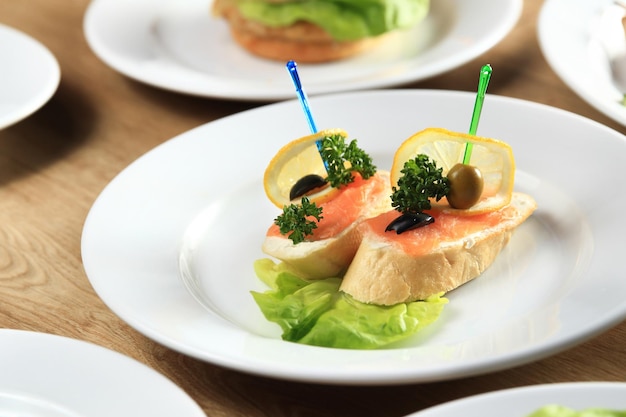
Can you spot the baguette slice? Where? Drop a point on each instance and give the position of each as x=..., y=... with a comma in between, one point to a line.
x=389, y=268
x=334, y=243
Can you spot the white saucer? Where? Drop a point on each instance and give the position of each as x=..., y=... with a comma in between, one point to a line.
x=53, y=376
x=178, y=46
x=30, y=75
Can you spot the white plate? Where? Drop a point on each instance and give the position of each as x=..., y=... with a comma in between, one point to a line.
x=54, y=376
x=520, y=402
x=194, y=207
x=30, y=75
x=567, y=37
x=179, y=46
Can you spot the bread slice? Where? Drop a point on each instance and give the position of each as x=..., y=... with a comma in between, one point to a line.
x=389, y=268
x=331, y=249
x=302, y=42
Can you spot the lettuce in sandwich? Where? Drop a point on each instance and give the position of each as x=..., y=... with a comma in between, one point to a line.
x=344, y=20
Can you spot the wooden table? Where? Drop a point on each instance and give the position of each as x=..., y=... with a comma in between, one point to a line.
x=56, y=162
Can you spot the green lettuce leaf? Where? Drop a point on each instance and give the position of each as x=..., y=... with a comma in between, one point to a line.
x=344, y=20
x=561, y=411
x=317, y=313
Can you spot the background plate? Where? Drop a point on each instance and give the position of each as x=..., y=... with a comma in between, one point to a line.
x=30, y=75
x=54, y=376
x=567, y=39
x=179, y=46
x=520, y=402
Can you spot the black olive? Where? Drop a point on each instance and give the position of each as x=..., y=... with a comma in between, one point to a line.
x=466, y=186
x=408, y=221
x=305, y=185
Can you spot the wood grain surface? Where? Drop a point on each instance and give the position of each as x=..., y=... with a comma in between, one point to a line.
x=55, y=163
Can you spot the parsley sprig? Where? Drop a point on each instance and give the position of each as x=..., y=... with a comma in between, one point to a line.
x=296, y=220
x=422, y=180
x=342, y=160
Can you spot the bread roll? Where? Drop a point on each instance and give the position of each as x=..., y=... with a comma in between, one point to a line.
x=389, y=268
x=306, y=42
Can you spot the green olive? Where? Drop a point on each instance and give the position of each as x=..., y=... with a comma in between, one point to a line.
x=466, y=186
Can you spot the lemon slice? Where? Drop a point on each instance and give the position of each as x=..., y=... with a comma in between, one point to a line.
x=294, y=161
x=494, y=158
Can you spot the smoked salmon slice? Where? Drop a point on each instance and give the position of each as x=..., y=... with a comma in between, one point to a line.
x=329, y=250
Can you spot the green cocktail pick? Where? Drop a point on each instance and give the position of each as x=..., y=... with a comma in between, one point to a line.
x=483, y=82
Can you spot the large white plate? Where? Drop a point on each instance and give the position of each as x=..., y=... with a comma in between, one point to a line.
x=567, y=37
x=54, y=376
x=520, y=402
x=178, y=46
x=194, y=208
x=30, y=75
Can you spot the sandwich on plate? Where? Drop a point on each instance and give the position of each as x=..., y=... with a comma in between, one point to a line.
x=366, y=256
x=316, y=30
